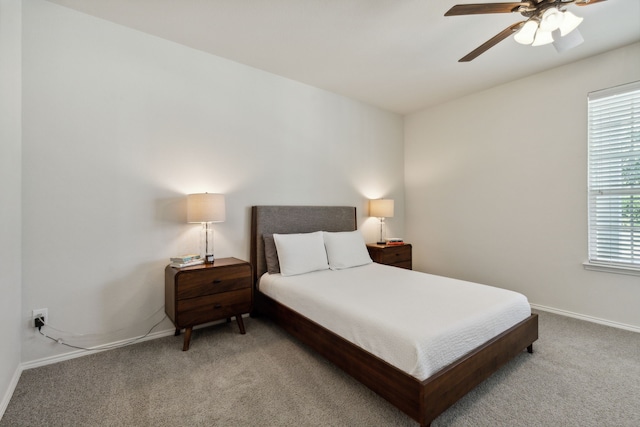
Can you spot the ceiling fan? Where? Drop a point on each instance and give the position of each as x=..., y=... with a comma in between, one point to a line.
x=547, y=21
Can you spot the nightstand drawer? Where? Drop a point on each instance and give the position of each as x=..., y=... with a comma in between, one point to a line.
x=393, y=255
x=197, y=283
x=398, y=254
x=208, y=308
x=402, y=264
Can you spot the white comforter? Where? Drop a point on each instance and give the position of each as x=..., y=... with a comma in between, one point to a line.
x=415, y=321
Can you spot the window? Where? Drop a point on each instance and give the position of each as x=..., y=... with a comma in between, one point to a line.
x=614, y=179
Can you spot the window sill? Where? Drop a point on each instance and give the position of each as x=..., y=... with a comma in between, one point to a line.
x=609, y=268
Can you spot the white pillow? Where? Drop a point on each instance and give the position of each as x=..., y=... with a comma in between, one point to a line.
x=346, y=249
x=301, y=253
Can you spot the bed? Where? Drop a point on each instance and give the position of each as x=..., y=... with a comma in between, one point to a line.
x=423, y=399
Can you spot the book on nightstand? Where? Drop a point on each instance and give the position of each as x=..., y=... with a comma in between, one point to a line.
x=185, y=260
x=394, y=241
x=187, y=264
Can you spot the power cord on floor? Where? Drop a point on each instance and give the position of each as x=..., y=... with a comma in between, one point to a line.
x=89, y=335
x=103, y=347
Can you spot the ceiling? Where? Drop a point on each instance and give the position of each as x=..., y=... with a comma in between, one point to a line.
x=399, y=55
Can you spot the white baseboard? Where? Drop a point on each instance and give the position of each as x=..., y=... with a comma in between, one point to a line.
x=587, y=318
x=104, y=347
x=9, y=392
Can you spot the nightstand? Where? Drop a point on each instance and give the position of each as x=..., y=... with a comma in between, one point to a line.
x=207, y=292
x=395, y=255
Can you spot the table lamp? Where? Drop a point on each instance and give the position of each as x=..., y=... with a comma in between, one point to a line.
x=381, y=208
x=206, y=208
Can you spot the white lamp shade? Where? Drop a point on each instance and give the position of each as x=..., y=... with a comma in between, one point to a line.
x=381, y=208
x=205, y=207
x=551, y=19
x=569, y=23
x=542, y=38
x=527, y=32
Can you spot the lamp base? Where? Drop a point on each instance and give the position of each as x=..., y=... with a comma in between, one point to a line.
x=208, y=259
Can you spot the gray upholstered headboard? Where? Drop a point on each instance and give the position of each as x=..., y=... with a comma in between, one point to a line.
x=294, y=219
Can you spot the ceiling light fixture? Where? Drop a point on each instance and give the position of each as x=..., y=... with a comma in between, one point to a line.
x=547, y=21
x=553, y=24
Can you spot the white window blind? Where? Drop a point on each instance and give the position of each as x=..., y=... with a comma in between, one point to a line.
x=614, y=176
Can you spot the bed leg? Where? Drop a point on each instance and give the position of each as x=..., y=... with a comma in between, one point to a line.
x=530, y=348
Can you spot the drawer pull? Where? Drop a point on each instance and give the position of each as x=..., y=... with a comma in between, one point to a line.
x=217, y=281
x=216, y=306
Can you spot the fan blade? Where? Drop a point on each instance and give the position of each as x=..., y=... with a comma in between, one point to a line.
x=587, y=2
x=492, y=42
x=481, y=8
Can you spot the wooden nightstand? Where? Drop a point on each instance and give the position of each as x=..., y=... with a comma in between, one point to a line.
x=396, y=255
x=207, y=292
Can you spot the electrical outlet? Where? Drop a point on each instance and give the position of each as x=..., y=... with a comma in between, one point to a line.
x=40, y=313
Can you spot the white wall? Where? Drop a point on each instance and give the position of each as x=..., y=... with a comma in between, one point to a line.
x=496, y=187
x=10, y=222
x=119, y=126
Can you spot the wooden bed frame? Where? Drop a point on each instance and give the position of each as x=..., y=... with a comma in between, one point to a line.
x=421, y=400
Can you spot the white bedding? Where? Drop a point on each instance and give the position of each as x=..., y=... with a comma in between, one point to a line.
x=415, y=321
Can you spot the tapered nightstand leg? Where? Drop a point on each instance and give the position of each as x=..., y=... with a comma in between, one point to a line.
x=177, y=332
x=240, y=324
x=187, y=338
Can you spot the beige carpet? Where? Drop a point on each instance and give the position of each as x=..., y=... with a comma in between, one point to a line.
x=580, y=374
